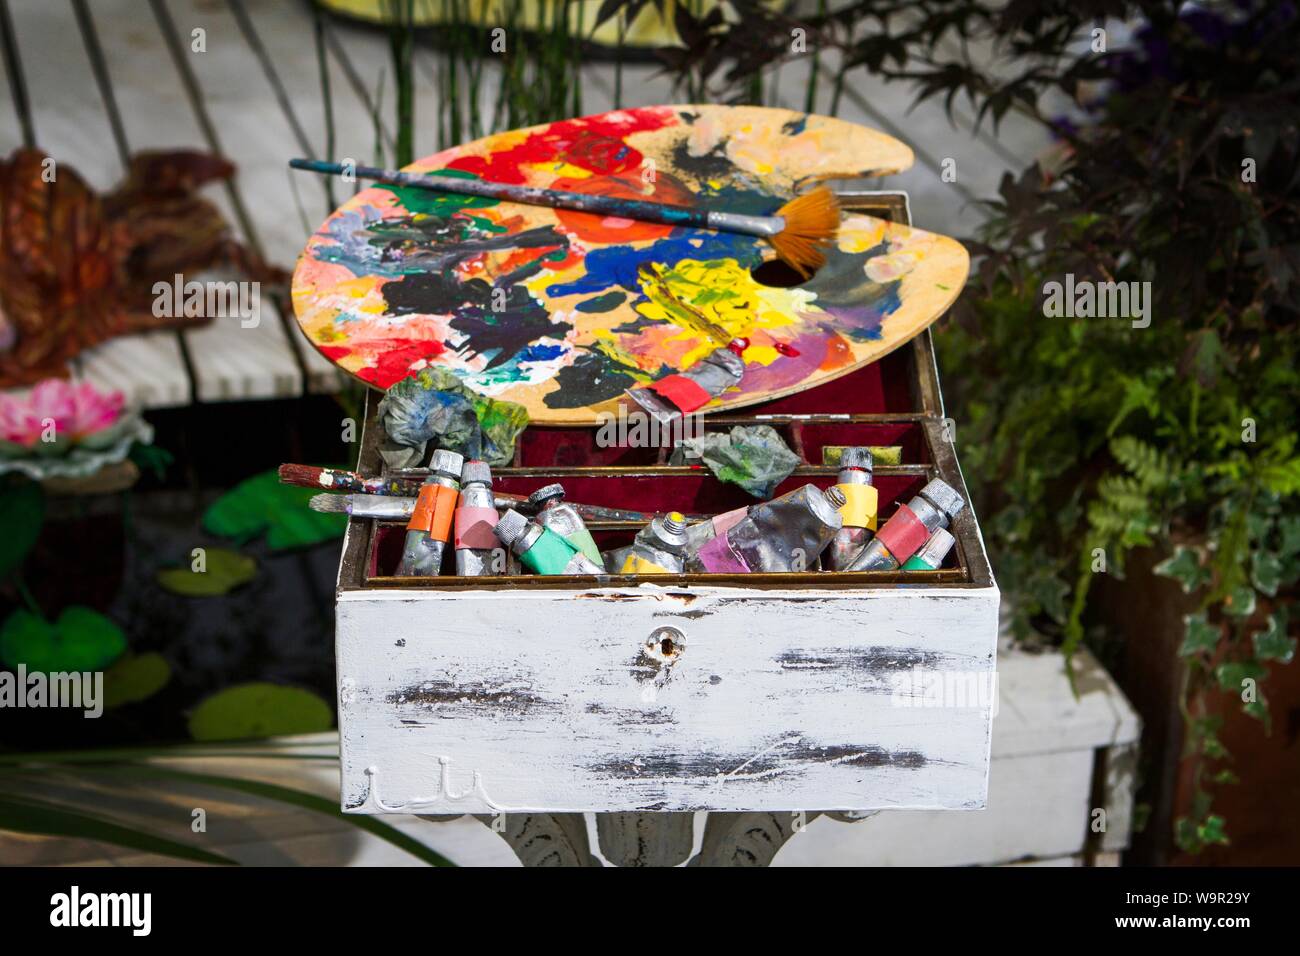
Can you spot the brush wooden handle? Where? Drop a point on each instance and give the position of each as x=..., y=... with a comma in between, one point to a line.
x=641, y=209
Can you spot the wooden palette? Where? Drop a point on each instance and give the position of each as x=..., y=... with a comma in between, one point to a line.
x=561, y=311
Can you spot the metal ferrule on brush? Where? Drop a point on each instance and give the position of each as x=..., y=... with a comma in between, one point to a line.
x=749, y=225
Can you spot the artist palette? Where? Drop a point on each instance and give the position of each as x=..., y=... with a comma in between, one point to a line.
x=562, y=311
x=641, y=693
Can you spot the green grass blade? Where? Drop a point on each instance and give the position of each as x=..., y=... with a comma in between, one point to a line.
x=298, y=798
x=47, y=819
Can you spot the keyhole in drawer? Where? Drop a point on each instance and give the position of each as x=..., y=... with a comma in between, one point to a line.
x=665, y=644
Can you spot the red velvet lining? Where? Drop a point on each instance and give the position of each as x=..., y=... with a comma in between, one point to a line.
x=879, y=388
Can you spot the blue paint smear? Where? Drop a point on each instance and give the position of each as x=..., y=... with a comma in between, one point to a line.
x=617, y=265
x=538, y=352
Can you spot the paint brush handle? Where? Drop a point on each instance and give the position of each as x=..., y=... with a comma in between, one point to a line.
x=641, y=209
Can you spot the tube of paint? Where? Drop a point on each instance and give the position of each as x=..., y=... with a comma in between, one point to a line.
x=932, y=553
x=859, y=511
x=909, y=528
x=785, y=534
x=478, y=551
x=555, y=513
x=702, y=532
x=659, y=547
x=673, y=396
x=429, y=529
x=615, y=558
x=540, y=549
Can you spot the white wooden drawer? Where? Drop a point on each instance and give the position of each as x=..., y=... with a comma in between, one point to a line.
x=547, y=700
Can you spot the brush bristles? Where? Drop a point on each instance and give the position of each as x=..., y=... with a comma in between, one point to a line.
x=811, y=222
x=328, y=502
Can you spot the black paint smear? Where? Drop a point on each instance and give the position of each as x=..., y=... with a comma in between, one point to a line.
x=434, y=293
x=603, y=303
x=712, y=165
x=518, y=325
x=795, y=126
x=593, y=378
x=491, y=323
x=794, y=759
x=868, y=660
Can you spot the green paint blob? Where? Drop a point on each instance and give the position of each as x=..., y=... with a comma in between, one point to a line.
x=550, y=554
x=916, y=564
x=433, y=203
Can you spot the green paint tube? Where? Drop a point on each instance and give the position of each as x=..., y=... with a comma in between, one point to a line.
x=555, y=514
x=540, y=549
x=931, y=554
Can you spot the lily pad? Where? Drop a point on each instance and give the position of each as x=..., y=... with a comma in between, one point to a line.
x=80, y=640
x=223, y=571
x=262, y=505
x=135, y=678
x=22, y=511
x=259, y=710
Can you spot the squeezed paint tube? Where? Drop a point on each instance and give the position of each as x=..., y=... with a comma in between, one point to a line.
x=784, y=534
x=540, y=549
x=932, y=553
x=859, y=511
x=702, y=532
x=614, y=559
x=909, y=528
x=659, y=547
x=673, y=396
x=555, y=513
x=429, y=529
x=478, y=552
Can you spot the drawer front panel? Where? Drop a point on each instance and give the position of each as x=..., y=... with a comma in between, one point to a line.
x=649, y=699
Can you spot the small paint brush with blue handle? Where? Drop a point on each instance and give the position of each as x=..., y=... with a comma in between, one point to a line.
x=797, y=232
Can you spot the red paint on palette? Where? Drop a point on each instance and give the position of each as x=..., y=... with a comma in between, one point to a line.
x=395, y=364
x=593, y=143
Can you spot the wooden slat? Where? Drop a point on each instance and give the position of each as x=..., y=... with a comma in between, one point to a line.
x=74, y=127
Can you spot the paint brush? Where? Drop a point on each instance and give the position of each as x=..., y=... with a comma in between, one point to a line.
x=383, y=507
x=336, y=479
x=798, y=232
x=399, y=508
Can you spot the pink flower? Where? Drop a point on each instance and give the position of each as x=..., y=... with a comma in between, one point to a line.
x=78, y=411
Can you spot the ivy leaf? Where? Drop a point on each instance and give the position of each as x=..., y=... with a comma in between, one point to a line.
x=22, y=512
x=1290, y=529
x=135, y=678
x=1199, y=636
x=259, y=709
x=1259, y=710
x=1184, y=566
x=1272, y=643
x=1266, y=572
x=1240, y=601
x=1233, y=675
x=80, y=640
x=223, y=571
x=262, y=504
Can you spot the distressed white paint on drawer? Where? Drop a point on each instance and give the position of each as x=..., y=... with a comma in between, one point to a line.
x=475, y=702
